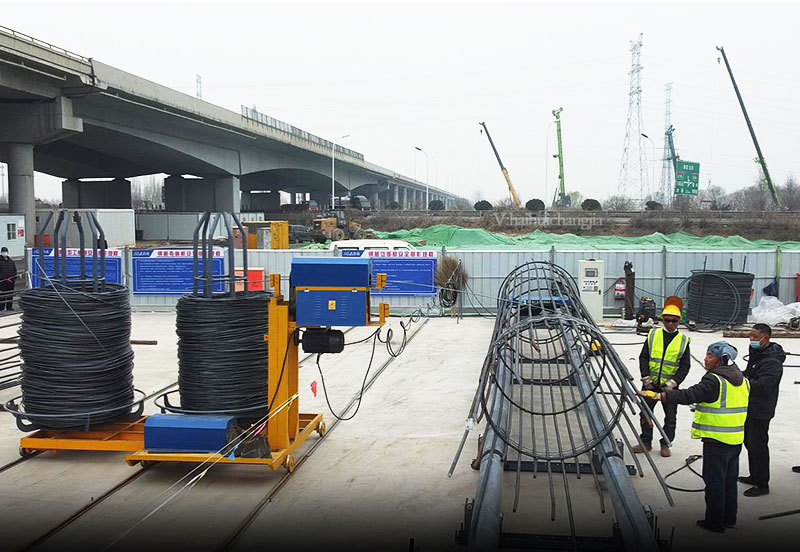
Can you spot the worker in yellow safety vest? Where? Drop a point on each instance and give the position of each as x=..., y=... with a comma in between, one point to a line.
x=721, y=397
x=664, y=363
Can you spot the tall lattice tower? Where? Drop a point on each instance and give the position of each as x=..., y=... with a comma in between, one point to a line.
x=667, y=184
x=633, y=182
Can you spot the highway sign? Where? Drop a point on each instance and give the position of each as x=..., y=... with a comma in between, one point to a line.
x=687, y=178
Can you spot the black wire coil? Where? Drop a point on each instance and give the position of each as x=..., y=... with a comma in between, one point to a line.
x=719, y=297
x=222, y=355
x=77, y=367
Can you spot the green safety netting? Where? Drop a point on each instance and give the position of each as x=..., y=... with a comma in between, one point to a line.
x=456, y=237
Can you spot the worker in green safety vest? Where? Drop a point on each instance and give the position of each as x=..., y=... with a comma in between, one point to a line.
x=721, y=397
x=663, y=363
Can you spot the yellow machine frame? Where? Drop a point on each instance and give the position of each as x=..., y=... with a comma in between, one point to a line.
x=287, y=428
x=116, y=437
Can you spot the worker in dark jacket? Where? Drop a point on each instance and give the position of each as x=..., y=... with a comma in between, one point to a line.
x=664, y=363
x=764, y=370
x=722, y=397
x=8, y=277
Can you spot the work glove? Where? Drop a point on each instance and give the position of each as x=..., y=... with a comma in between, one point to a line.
x=647, y=382
x=650, y=395
x=670, y=385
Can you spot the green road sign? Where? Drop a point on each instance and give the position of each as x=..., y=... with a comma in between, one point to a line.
x=687, y=178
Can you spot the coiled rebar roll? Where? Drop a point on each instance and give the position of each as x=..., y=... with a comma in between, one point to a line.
x=719, y=297
x=222, y=355
x=77, y=358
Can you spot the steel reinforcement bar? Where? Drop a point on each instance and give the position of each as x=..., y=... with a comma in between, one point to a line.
x=553, y=391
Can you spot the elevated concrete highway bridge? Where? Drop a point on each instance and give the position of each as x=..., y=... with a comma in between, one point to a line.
x=76, y=118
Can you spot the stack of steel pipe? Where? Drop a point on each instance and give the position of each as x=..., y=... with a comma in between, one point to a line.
x=553, y=391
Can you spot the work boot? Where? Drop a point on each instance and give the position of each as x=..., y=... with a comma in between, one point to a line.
x=638, y=449
x=665, y=452
x=756, y=491
x=710, y=526
x=796, y=469
x=746, y=480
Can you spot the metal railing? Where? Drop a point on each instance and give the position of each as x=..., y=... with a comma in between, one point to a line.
x=43, y=44
x=266, y=120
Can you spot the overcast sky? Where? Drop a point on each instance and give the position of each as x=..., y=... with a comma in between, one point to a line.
x=398, y=75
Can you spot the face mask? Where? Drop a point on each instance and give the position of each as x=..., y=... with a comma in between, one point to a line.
x=4, y=255
x=756, y=345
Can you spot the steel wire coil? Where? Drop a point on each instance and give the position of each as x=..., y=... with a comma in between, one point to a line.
x=222, y=355
x=77, y=358
x=718, y=297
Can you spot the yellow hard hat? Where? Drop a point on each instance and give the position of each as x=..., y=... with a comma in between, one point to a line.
x=672, y=306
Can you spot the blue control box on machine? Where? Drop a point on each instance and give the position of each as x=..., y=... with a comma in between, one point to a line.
x=185, y=433
x=331, y=291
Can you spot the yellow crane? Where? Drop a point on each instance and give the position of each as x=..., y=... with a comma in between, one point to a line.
x=511, y=190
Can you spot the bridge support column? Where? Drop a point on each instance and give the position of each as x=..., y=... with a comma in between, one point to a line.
x=395, y=193
x=226, y=194
x=420, y=203
x=202, y=194
x=403, y=199
x=375, y=201
x=21, y=198
x=247, y=202
x=96, y=194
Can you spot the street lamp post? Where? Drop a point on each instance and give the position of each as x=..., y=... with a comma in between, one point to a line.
x=333, y=171
x=653, y=175
x=427, y=176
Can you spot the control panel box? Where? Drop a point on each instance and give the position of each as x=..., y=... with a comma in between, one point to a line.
x=591, y=276
x=331, y=291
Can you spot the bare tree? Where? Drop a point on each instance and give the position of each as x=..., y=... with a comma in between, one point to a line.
x=790, y=194
x=146, y=192
x=713, y=197
x=617, y=203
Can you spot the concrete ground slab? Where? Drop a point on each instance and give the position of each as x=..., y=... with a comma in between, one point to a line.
x=380, y=479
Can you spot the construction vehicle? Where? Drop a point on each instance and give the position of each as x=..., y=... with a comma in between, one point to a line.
x=339, y=227
x=563, y=200
x=767, y=179
x=511, y=189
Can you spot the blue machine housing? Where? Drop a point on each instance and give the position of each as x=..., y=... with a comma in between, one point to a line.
x=331, y=291
x=184, y=433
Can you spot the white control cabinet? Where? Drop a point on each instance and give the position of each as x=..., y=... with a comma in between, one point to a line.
x=590, y=283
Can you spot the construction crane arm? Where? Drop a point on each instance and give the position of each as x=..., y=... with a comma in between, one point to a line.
x=511, y=190
x=770, y=186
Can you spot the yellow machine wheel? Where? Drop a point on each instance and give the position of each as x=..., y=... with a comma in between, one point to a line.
x=25, y=453
x=289, y=463
x=322, y=429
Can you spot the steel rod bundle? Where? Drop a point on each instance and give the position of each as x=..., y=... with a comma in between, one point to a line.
x=222, y=355
x=77, y=359
x=553, y=390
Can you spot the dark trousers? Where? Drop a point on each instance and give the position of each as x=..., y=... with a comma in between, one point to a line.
x=756, y=440
x=670, y=421
x=720, y=470
x=6, y=295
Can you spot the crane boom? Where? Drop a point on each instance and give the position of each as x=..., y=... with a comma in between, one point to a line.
x=563, y=200
x=511, y=189
x=770, y=186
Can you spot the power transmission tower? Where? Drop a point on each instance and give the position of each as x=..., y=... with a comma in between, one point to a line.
x=667, y=174
x=633, y=174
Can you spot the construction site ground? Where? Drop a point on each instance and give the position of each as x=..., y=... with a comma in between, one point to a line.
x=377, y=481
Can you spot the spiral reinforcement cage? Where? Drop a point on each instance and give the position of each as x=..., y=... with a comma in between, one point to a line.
x=553, y=392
